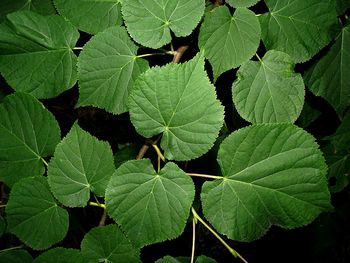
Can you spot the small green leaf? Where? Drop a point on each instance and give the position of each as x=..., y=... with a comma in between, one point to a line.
x=44, y=7
x=150, y=207
x=108, y=244
x=60, y=255
x=91, y=16
x=273, y=174
x=180, y=102
x=41, y=47
x=149, y=22
x=269, y=90
x=16, y=256
x=168, y=259
x=2, y=226
x=200, y=259
x=107, y=68
x=80, y=164
x=228, y=41
x=300, y=28
x=330, y=76
x=242, y=3
x=29, y=132
x=34, y=216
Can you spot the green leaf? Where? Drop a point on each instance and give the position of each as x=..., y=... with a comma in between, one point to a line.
x=108, y=244
x=269, y=90
x=242, y=3
x=168, y=259
x=300, y=28
x=307, y=116
x=107, y=68
x=80, y=164
x=41, y=47
x=126, y=153
x=341, y=138
x=60, y=255
x=342, y=6
x=29, y=133
x=180, y=102
x=16, y=256
x=149, y=22
x=330, y=76
x=228, y=41
x=273, y=174
x=339, y=170
x=150, y=207
x=91, y=16
x=2, y=226
x=44, y=7
x=34, y=216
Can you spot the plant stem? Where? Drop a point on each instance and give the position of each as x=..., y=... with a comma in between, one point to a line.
x=256, y=54
x=218, y=2
x=142, y=151
x=97, y=204
x=77, y=48
x=155, y=54
x=232, y=251
x=205, y=176
x=43, y=160
x=178, y=54
x=103, y=218
x=194, y=222
x=159, y=153
x=10, y=248
x=1, y=206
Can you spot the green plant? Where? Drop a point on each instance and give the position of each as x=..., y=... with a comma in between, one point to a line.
x=271, y=172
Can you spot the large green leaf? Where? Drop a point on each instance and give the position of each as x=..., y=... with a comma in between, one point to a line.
x=34, y=216
x=269, y=90
x=150, y=207
x=300, y=28
x=273, y=174
x=180, y=102
x=16, y=256
x=29, y=132
x=41, y=47
x=242, y=3
x=80, y=164
x=149, y=22
x=44, y=7
x=107, y=69
x=329, y=77
x=228, y=41
x=108, y=244
x=60, y=255
x=91, y=16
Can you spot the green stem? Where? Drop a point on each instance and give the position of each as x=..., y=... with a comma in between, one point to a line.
x=159, y=153
x=97, y=204
x=205, y=176
x=256, y=54
x=155, y=54
x=232, y=251
x=10, y=248
x=77, y=48
x=194, y=222
x=43, y=160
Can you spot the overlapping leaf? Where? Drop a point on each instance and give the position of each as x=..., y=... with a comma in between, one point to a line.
x=16, y=256
x=242, y=3
x=91, y=16
x=273, y=174
x=107, y=69
x=60, y=255
x=33, y=214
x=307, y=116
x=29, y=133
x=300, y=28
x=149, y=22
x=228, y=41
x=41, y=47
x=200, y=259
x=180, y=102
x=330, y=76
x=269, y=90
x=44, y=7
x=108, y=244
x=81, y=164
x=150, y=207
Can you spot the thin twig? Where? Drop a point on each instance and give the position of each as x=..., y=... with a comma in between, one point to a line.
x=178, y=54
x=142, y=151
x=103, y=218
x=218, y=2
x=194, y=221
x=205, y=176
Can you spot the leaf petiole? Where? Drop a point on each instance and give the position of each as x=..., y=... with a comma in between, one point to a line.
x=232, y=251
x=11, y=248
x=155, y=54
x=194, y=222
x=97, y=204
x=159, y=153
x=205, y=176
